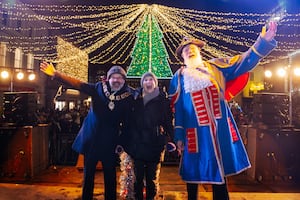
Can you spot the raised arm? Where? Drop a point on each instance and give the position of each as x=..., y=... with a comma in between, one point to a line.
x=50, y=70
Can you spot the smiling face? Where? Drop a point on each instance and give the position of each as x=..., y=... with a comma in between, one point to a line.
x=116, y=81
x=191, y=55
x=149, y=84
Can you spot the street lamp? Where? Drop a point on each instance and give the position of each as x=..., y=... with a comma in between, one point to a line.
x=268, y=74
x=16, y=75
x=31, y=76
x=4, y=74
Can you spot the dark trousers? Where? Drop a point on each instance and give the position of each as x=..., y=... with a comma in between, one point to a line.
x=109, y=171
x=149, y=171
x=220, y=192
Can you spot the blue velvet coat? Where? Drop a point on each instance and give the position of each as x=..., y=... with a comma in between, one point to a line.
x=217, y=150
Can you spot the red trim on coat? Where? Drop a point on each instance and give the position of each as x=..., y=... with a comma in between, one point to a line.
x=232, y=130
x=192, y=140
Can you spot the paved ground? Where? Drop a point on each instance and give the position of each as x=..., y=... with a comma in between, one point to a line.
x=64, y=183
x=42, y=192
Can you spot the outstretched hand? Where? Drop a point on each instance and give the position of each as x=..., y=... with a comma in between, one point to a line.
x=271, y=32
x=47, y=68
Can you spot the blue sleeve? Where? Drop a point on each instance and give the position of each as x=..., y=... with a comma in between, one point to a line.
x=235, y=66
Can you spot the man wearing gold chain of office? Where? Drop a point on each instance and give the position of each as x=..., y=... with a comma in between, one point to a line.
x=104, y=126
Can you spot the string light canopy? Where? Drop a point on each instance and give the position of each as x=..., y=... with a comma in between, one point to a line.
x=72, y=61
x=108, y=34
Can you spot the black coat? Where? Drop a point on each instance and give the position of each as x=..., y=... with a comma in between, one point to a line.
x=103, y=128
x=152, y=127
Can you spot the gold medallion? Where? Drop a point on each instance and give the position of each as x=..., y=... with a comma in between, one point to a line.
x=111, y=97
x=111, y=105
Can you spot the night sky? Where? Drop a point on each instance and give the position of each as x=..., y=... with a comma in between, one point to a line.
x=257, y=6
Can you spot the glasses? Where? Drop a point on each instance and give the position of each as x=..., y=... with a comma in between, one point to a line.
x=116, y=77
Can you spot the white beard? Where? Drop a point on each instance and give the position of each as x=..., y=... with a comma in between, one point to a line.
x=195, y=80
x=115, y=87
x=194, y=62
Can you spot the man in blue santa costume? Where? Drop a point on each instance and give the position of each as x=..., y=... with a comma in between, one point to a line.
x=205, y=132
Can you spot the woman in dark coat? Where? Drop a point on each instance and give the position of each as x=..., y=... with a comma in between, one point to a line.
x=152, y=129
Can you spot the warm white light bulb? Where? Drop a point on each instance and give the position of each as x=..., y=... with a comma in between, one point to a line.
x=268, y=74
x=4, y=74
x=297, y=71
x=20, y=75
x=281, y=72
x=31, y=76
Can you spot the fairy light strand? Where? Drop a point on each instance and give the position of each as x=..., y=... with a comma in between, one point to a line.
x=91, y=28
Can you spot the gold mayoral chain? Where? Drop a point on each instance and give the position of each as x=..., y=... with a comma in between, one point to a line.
x=112, y=97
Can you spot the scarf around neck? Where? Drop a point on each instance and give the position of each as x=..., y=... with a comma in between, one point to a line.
x=147, y=97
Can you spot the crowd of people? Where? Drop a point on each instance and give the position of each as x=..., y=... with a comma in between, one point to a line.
x=141, y=121
x=63, y=126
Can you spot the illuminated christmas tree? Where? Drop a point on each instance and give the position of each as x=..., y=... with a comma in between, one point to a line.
x=149, y=53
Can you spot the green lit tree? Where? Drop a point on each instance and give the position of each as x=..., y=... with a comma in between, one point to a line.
x=149, y=52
